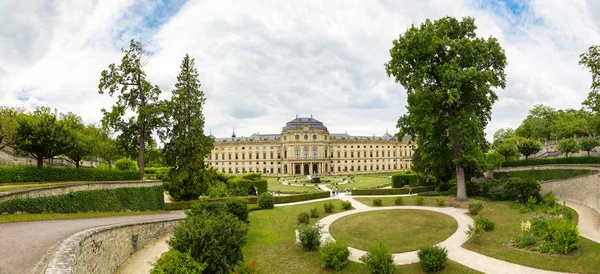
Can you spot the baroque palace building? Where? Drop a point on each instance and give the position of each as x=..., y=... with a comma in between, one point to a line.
x=304, y=147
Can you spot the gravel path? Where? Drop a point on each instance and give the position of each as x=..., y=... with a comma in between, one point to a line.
x=25, y=244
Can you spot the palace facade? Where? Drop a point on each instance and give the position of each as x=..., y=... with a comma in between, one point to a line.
x=304, y=147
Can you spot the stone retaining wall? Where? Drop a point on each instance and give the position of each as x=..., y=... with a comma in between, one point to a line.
x=102, y=250
x=65, y=189
x=584, y=190
x=518, y=168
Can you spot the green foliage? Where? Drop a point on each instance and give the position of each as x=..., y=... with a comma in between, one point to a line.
x=328, y=207
x=315, y=180
x=419, y=200
x=406, y=178
x=553, y=161
x=440, y=201
x=9, y=124
x=543, y=174
x=212, y=236
x=508, y=149
x=549, y=199
x=117, y=199
x=314, y=213
x=588, y=144
x=28, y=174
x=346, y=205
x=377, y=202
x=493, y=160
x=590, y=59
x=433, y=258
x=266, y=200
x=549, y=234
x=379, y=259
x=399, y=201
x=475, y=232
x=185, y=184
x=176, y=262
x=126, y=164
x=310, y=236
x=475, y=208
x=217, y=190
x=511, y=189
x=303, y=218
x=391, y=191
x=243, y=184
x=486, y=224
x=539, y=123
x=178, y=205
x=449, y=93
x=82, y=143
x=529, y=147
x=301, y=197
x=334, y=255
x=567, y=146
x=565, y=236
x=525, y=241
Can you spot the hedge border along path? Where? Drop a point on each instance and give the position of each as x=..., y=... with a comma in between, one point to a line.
x=452, y=244
x=31, y=174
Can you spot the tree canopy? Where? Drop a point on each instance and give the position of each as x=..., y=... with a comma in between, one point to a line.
x=448, y=73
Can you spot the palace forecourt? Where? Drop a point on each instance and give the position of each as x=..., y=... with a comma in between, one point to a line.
x=305, y=147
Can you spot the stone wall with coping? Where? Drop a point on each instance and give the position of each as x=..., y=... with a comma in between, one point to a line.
x=103, y=249
x=584, y=190
x=519, y=168
x=65, y=189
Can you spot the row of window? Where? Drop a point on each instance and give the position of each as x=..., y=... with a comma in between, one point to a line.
x=332, y=169
x=236, y=156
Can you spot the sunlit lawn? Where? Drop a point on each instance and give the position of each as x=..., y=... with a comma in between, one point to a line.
x=273, y=185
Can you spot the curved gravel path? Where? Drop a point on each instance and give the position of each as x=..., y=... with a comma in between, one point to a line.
x=25, y=244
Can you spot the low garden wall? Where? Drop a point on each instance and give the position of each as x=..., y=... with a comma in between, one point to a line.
x=584, y=190
x=65, y=189
x=104, y=249
x=517, y=168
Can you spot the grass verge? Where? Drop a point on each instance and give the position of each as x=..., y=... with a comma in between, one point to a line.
x=10, y=218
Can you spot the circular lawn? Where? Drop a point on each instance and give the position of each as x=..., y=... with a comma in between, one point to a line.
x=403, y=229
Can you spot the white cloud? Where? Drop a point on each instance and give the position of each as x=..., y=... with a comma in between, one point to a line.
x=261, y=63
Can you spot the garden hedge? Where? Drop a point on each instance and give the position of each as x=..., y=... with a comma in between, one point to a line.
x=31, y=174
x=399, y=180
x=252, y=200
x=391, y=191
x=117, y=199
x=245, y=184
x=301, y=197
x=543, y=174
x=553, y=161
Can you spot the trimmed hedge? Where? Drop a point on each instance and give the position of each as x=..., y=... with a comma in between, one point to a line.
x=401, y=179
x=553, y=161
x=391, y=191
x=543, y=174
x=245, y=184
x=301, y=197
x=118, y=199
x=251, y=200
x=30, y=174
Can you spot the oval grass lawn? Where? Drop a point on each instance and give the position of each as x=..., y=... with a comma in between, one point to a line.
x=403, y=229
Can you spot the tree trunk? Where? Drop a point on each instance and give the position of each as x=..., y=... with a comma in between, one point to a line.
x=142, y=150
x=40, y=162
x=588, y=153
x=461, y=188
x=526, y=157
x=109, y=164
x=77, y=164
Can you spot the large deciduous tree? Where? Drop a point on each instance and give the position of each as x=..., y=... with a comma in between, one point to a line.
x=135, y=93
x=539, y=123
x=82, y=145
x=9, y=117
x=567, y=146
x=187, y=144
x=591, y=59
x=448, y=73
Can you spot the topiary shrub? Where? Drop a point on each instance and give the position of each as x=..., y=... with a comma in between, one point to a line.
x=314, y=213
x=379, y=259
x=334, y=255
x=126, y=164
x=174, y=261
x=433, y=258
x=346, y=205
x=440, y=201
x=419, y=201
x=328, y=207
x=377, y=202
x=475, y=208
x=399, y=201
x=303, y=218
x=310, y=236
x=266, y=200
x=485, y=224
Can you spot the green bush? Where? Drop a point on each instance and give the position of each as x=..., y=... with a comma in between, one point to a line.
x=346, y=205
x=315, y=180
x=521, y=189
x=525, y=241
x=116, y=199
x=266, y=200
x=399, y=201
x=485, y=224
x=214, y=237
x=379, y=259
x=126, y=164
x=475, y=232
x=565, y=236
x=334, y=255
x=553, y=161
x=31, y=174
x=301, y=197
x=242, y=184
x=399, y=180
x=314, y=213
x=391, y=191
x=236, y=206
x=303, y=218
x=328, y=207
x=377, y=202
x=440, y=201
x=310, y=236
x=178, y=205
x=419, y=200
x=543, y=174
x=433, y=258
x=174, y=261
x=549, y=199
x=475, y=208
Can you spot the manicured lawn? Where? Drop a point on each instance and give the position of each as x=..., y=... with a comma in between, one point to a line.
x=274, y=186
x=9, y=218
x=271, y=244
x=508, y=225
x=363, y=182
x=404, y=230
x=411, y=200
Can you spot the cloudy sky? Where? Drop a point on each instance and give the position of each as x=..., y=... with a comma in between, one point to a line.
x=263, y=62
